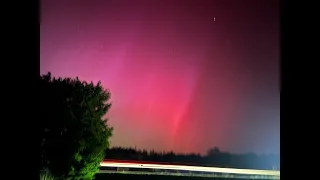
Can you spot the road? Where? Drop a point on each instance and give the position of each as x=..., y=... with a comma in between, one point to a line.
x=165, y=166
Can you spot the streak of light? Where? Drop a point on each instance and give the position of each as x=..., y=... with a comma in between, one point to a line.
x=191, y=168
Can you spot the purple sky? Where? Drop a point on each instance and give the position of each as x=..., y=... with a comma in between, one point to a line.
x=183, y=75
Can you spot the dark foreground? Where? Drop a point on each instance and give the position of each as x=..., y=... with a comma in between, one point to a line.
x=107, y=176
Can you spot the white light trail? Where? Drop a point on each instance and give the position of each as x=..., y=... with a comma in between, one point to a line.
x=192, y=168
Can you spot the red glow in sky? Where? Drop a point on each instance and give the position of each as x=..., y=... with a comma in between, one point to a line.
x=183, y=75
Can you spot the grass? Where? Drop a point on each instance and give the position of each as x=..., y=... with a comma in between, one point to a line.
x=45, y=175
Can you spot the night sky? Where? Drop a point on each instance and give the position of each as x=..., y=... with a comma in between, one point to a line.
x=184, y=75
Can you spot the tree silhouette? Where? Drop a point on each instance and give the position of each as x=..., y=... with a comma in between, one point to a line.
x=74, y=135
x=213, y=151
x=214, y=157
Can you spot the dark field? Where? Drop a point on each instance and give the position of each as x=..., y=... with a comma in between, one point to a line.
x=107, y=176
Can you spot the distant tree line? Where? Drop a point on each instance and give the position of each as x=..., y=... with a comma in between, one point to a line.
x=214, y=157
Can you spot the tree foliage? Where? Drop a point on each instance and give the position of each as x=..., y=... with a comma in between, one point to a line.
x=74, y=134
